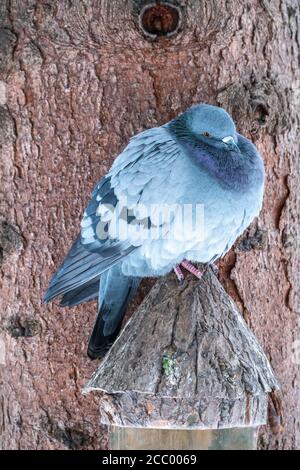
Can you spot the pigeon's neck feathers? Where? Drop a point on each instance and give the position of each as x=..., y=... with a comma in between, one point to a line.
x=229, y=173
x=237, y=171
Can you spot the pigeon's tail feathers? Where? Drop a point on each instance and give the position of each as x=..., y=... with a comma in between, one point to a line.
x=100, y=344
x=115, y=293
x=84, y=293
x=83, y=266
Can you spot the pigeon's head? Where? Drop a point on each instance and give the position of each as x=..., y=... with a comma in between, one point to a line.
x=208, y=124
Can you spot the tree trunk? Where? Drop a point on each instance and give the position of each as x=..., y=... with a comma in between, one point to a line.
x=77, y=79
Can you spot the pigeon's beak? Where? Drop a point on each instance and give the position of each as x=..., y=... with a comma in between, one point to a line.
x=230, y=143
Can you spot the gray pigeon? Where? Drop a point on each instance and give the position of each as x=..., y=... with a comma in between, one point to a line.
x=177, y=193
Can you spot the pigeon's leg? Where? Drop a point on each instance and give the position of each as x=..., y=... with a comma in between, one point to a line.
x=179, y=273
x=192, y=269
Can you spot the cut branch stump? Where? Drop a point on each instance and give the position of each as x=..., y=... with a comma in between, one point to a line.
x=186, y=360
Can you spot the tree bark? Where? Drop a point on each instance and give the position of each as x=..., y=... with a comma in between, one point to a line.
x=77, y=79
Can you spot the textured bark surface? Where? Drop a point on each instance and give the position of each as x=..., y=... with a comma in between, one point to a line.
x=186, y=359
x=77, y=79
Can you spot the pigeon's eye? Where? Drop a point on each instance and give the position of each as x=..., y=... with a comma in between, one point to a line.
x=207, y=134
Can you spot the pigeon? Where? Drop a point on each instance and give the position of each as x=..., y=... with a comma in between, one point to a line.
x=179, y=193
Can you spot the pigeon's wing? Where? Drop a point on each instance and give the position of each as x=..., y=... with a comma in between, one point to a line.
x=92, y=252
x=148, y=175
x=115, y=216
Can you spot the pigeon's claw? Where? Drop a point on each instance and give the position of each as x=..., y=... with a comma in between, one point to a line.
x=179, y=273
x=192, y=269
x=189, y=267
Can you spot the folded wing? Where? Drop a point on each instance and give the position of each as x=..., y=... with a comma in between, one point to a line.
x=141, y=175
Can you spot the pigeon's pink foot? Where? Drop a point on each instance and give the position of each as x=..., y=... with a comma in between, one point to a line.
x=189, y=267
x=192, y=269
x=179, y=273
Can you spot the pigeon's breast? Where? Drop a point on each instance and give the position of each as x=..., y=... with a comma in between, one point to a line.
x=207, y=223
